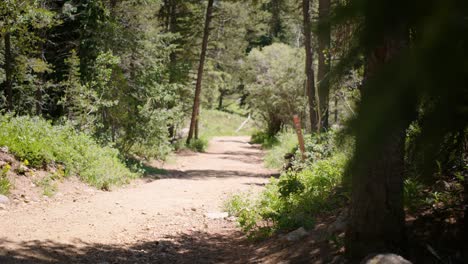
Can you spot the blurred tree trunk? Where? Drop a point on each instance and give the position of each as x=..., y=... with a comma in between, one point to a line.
x=309, y=70
x=377, y=218
x=196, y=100
x=8, y=84
x=324, y=61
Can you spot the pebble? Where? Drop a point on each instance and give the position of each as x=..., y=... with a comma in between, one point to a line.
x=4, y=199
x=297, y=234
x=216, y=215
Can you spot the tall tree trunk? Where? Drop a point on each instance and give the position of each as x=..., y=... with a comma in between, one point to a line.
x=196, y=100
x=336, y=109
x=8, y=84
x=309, y=70
x=41, y=76
x=171, y=21
x=220, y=100
x=377, y=217
x=464, y=234
x=324, y=61
x=172, y=27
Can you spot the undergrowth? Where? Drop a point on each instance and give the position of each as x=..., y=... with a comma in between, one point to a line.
x=40, y=142
x=5, y=184
x=290, y=201
x=277, y=147
x=198, y=145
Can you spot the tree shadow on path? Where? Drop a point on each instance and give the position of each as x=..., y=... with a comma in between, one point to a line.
x=198, y=247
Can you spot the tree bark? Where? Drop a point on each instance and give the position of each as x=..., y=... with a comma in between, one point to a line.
x=336, y=109
x=196, y=101
x=220, y=100
x=324, y=61
x=377, y=217
x=309, y=70
x=8, y=84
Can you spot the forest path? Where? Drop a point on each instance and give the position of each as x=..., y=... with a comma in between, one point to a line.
x=159, y=221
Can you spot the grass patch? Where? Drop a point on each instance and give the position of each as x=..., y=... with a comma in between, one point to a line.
x=218, y=123
x=286, y=143
x=49, y=185
x=39, y=142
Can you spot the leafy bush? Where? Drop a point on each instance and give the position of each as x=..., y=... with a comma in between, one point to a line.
x=39, y=142
x=317, y=147
x=275, y=72
x=5, y=184
x=292, y=200
x=267, y=141
x=198, y=144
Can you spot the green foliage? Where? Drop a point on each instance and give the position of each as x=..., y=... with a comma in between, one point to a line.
x=319, y=146
x=5, y=184
x=287, y=143
x=37, y=141
x=219, y=123
x=48, y=184
x=267, y=141
x=198, y=145
x=292, y=200
x=276, y=73
x=413, y=195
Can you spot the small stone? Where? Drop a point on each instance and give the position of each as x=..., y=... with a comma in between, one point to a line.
x=3, y=206
x=2, y=163
x=216, y=215
x=340, y=223
x=4, y=199
x=385, y=259
x=22, y=169
x=297, y=234
x=193, y=209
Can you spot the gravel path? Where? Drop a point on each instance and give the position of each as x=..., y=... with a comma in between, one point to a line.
x=156, y=221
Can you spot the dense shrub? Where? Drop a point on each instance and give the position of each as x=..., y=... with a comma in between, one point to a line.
x=263, y=138
x=292, y=200
x=40, y=143
x=198, y=145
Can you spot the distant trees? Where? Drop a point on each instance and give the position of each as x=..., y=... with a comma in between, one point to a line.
x=275, y=84
x=105, y=66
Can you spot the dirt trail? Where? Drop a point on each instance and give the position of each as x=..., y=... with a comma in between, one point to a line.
x=160, y=221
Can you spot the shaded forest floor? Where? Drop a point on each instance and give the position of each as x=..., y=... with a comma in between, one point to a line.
x=165, y=219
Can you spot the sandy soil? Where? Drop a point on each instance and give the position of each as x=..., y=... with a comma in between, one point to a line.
x=154, y=221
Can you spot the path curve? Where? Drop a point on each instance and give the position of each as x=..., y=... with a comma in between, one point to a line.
x=161, y=221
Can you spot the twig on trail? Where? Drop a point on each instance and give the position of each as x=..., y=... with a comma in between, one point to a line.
x=434, y=253
x=243, y=124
